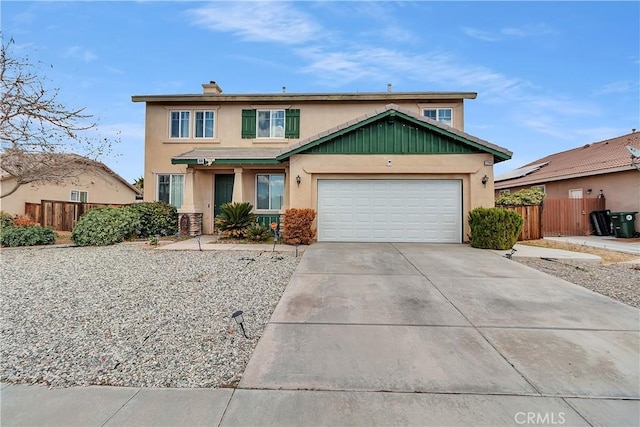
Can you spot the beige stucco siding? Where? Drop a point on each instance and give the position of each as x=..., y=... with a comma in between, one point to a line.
x=314, y=119
x=100, y=188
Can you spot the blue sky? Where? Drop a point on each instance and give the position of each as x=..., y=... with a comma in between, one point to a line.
x=550, y=76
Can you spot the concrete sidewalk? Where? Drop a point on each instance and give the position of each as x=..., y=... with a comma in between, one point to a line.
x=630, y=246
x=399, y=334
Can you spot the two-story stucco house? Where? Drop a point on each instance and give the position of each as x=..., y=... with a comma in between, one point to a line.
x=376, y=167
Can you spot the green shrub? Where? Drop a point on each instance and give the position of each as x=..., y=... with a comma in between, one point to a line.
x=105, y=226
x=234, y=219
x=258, y=232
x=297, y=226
x=156, y=218
x=6, y=220
x=494, y=228
x=27, y=236
x=524, y=197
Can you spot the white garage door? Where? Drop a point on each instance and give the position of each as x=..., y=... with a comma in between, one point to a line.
x=390, y=211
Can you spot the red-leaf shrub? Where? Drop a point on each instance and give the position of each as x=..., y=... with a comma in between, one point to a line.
x=297, y=226
x=23, y=221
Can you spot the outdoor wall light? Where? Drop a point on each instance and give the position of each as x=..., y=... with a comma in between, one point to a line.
x=485, y=179
x=298, y=180
x=237, y=316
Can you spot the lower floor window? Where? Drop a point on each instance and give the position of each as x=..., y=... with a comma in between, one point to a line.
x=269, y=191
x=171, y=189
x=78, y=196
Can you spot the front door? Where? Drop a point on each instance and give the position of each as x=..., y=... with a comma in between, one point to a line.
x=223, y=192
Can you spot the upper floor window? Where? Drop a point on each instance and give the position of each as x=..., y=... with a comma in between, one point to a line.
x=79, y=196
x=443, y=115
x=180, y=124
x=203, y=125
x=272, y=123
x=170, y=189
x=205, y=121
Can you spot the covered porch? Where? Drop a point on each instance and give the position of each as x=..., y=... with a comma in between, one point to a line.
x=214, y=177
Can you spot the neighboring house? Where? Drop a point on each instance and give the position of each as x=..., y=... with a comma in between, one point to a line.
x=96, y=183
x=377, y=167
x=604, y=167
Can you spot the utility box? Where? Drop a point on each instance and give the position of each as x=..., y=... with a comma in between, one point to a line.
x=624, y=223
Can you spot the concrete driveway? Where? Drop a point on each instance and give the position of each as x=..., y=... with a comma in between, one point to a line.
x=415, y=334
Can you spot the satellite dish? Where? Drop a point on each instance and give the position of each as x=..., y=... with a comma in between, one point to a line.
x=635, y=153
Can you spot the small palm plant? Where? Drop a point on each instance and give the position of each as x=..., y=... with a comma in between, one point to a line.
x=234, y=219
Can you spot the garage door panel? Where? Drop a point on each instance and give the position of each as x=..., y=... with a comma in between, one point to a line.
x=390, y=210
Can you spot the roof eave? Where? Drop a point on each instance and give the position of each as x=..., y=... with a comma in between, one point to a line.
x=501, y=185
x=300, y=97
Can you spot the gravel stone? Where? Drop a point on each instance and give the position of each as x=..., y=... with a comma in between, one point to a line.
x=128, y=315
x=618, y=281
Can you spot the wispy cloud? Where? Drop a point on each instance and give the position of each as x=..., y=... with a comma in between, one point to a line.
x=260, y=22
x=77, y=52
x=509, y=32
x=622, y=86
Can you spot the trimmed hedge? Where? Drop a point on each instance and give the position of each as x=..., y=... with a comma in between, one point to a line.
x=30, y=235
x=156, y=218
x=297, y=226
x=494, y=228
x=106, y=226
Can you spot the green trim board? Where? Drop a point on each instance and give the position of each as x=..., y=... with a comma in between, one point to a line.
x=228, y=162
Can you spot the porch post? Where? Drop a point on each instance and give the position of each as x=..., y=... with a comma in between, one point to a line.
x=238, y=195
x=190, y=214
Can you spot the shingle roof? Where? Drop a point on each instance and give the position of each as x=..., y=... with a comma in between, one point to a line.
x=69, y=157
x=591, y=159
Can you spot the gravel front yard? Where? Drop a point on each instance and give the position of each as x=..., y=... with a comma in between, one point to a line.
x=130, y=316
x=618, y=281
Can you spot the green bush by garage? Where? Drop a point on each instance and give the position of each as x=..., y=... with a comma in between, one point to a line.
x=494, y=228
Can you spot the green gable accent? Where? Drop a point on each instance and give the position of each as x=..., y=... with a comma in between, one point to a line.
x=393, y=132
x=397, y=137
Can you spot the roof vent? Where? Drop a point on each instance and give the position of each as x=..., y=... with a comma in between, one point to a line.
x=211, y=88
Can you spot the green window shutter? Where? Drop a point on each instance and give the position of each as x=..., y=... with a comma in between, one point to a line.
x=292, y=125
x=248, y=123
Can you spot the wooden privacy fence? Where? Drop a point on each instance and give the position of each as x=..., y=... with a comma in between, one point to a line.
x=569, y=217
x=532, y=224
x=62, y=216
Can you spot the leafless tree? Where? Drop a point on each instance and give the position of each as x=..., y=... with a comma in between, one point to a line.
x=35, y=128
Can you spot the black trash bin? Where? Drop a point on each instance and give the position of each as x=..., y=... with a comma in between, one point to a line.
x=624, y=224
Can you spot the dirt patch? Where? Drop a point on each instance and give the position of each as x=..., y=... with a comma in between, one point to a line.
x=608, y=257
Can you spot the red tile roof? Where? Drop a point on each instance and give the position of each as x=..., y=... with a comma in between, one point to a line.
x=601, y=157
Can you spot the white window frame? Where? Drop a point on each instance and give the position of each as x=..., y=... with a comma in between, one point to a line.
x=271, y=126
x=171, y=179
x=76, y=196
x=438, y=111
x=271, y=208
x=503, y=192
x=195, y=123
x=181, y=126
x=575, y=190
